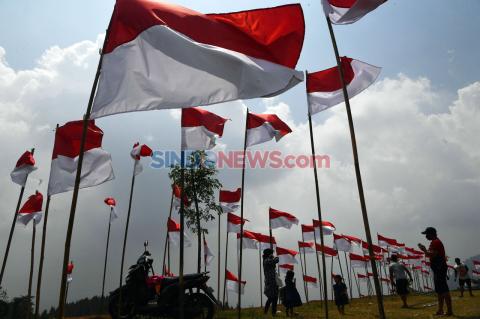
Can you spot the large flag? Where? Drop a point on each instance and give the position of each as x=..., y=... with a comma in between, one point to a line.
x=112, y=203
x=279, y=219
x=234, y=223
x=264, y=241
x=326, y=250
x=358, y=261
x=139, y=151
x=310, y=281
x=207, y=253
x=160, y=55
x=200, y=128
x=32, y=209
x=249, y=240
x=328, y=227
x=25, y=165
x=324, y=88
x=285, y=267
x=348, y=11
x=174, y=234
x=305, y=247
x=308, y=232
x=341, y=243
x=262, y=128
x=286, y=256
x=97, y=163
x=229, y=200
x=233, y=282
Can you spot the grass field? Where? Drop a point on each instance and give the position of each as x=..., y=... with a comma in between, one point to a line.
x=422, y=306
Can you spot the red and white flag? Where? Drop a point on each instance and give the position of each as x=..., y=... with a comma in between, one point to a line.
x=110, y=201
x=207, y=253
x=200, y=128
x=160, y=55
x=279, y=219
x=177, y=194
x=358, y=261
x=377, y=250
x=341, y=243
x=324, y=88
x=362, y=277
x=229, y=200
x=174, y=234
x=385, y=241
x=286, y=256
x=233, y=283
x=285, y=267
x=310, y=281
x=308, y=232
x=234, y=223
x=249, y=240
x=139, y=151
x=328, y=228
x=97, y=163
x=476, y=264
x=32, y=209
x=264, y=241
x=25, y=165
x=70, y=267
x=305, y=248
x=348, y=11
x=326, y=250
x=262, y=128
x=354, y=240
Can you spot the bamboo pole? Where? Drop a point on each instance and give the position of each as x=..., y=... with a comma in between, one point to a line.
x=12, y=228
x=32, y=263
x=106, y=253
x=73, y=207
x=225, y=271
x=167, y=245
x=42, y=257
x=319, y=212
x=239, y=310
x=366, y=223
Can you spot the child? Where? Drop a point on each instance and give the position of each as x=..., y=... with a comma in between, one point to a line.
x=291, y=296
x=341, y=295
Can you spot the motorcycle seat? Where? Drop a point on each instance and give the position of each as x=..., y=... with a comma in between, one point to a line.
x=173, y=280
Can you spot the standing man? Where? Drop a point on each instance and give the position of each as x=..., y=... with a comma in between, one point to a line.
x=270, y=274
x=398, y=278
x=438, y=263
x=461, y=271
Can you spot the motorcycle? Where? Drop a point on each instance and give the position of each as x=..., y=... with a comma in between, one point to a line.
x=153, y=295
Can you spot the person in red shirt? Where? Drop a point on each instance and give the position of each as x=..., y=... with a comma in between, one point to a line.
x=438, y=263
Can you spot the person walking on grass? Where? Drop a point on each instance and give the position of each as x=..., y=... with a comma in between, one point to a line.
x=270, y=275
x=461, y=271
x=291, y=297
x=340, y=294
x=438, y=264
x=398, y=278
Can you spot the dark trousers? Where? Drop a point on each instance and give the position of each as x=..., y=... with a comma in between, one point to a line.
x=273, y=302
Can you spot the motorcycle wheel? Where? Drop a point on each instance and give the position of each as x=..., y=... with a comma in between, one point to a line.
x=199, y=306
x=127, y=311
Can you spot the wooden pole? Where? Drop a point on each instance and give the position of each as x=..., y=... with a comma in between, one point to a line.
x=197, y=215
x=239, y=310
x=42, y=257
x=319, y=212
x=12, y=228
x=219, y=253
x=225, y=271
x=32, y=263
x=181, y=293
x=73, y=207
x=167, y=245
x=366, y=223
x=106, y=253
x=125, y=236
x=348, y=273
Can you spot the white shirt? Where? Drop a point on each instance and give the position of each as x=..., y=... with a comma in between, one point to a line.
x=462, y=271
x=398, y=270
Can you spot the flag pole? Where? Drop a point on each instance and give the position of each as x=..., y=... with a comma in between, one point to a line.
x=225, y=271
x=181, y=295
x=270, y=229
x=320, y=279
x=106, y=253
x=167, y=245
x=218, y=260
x=305, y=263
x=260, y=268
x=239, y=312
x=125, y=236
x=331, y=278
x=32, y=262
x=381, y=310
x=319, y=211
x=73, y=207
x=355, y=278
x=303, y=271
x=197, y=219
x=348, y=272
x=12, y=228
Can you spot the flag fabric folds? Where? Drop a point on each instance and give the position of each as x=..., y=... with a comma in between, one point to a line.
x=262, y=128
x=233, y=282
x=31, y=210
x=264, y=241
x=174, y=234
x=324, y=88
x=328, y=228
x=310, y=281
x=279, y=219
x=305, y=247
x=285, y=267
x=207, y=253
x=110, y=201
x=385, y=241
x=341, y=243
x=348, y=11
x=160, y=55
x=308, y=232
x=358, y=261
x=97, y=163
x=286, y=256
x=139, y=151
x=234, y=222
x=25, y=165
x=326, y=250
x=200, y=128
x=229, y=200
x=249, y=240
